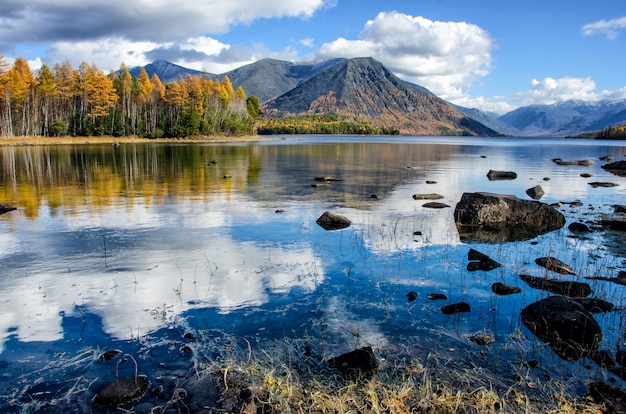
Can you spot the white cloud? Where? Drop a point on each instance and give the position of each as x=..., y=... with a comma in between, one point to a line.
x=445, y=57
x=608, y=28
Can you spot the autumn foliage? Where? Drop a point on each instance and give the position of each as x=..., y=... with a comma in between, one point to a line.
x=86, y=101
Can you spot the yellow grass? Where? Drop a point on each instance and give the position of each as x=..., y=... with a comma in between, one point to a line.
x=40, y=140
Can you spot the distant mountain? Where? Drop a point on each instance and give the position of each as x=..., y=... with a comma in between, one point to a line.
x=565, y=118
x=167, y=71
x=269, y=78
x=364, y=88
x=490, y=120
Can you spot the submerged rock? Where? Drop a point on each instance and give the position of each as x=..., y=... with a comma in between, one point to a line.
x=578, y=228
x=595, y=305
x=501, y=175
x=492, y=217
x=411, y=296
x=565, y=325
x=5, y=208
x=332, y=221
x=431, y=196
x=435, y=204
x=480, y=261
x=109, y=355
x=122, y=391
x=502, y=289
x=555, y=265
x=585, y=163
x=604, y=184
x=560, y=287
x=437, y=296
x=456, y=308
x=482, y=339
x=357, y=362
x=613, y=398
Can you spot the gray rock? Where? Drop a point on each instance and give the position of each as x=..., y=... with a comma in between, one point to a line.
x=555, y=265
x=501, y=175
x=496, y=218
x=332, y=221
x=535, y=192
x=435, y=204
x=585, y=163
x=431, y=196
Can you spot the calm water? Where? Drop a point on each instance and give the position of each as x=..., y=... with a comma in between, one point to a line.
x=130, y=247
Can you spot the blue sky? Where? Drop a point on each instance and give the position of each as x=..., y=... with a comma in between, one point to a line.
x=491, y=55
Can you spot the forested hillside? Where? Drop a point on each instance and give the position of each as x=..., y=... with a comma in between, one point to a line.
x=85, y=101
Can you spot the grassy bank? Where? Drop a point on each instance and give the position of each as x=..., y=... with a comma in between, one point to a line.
x=39, y=140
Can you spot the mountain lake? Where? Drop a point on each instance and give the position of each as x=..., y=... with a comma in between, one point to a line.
x=166, y=260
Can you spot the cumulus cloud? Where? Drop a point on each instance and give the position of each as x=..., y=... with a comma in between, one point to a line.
x=445, y=57
x=550, y=90
x=114, y=31
x=608, y=28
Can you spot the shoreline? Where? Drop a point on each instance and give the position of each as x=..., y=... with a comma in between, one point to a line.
x=69, y=140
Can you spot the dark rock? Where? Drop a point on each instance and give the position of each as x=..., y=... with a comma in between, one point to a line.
x=431, y=182
x=122, y=391
x=614, y=224
x=607, y=158
x=501, y=175
x=417, y=233
x=456, y=308
x=227, y=176
x=619, y=209
x=437, y=296
x=358, y=362
x=535, y=192
x=565, y=325
x=620, y=279
x=411, y=296
x=586, y=175
x=555, y=265
x=431, y=196
x=485, y=265
x=435, y=204
x=373, y=195
x=585, y=163
x=502, y=289
x=560, y=287
x=603, y=358
x=482, y=339
x=5, y=208
x=618, y=168
x=212, y=162
x=109, y=355
x=605, y=184
x=595, y=305
x=613, y=398
x=578, y=228
x=492, y=217
x=474, y=254
x=332, y=221
x=321, y=185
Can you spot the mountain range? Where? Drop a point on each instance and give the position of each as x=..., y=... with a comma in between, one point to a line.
x=364, y=88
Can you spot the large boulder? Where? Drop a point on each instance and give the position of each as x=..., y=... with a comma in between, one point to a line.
x=565, y=325
x=489, y=217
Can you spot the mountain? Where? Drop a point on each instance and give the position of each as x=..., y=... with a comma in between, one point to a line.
x=167, y=71
x=565, y=118
x=490, y=120
x=364, y=88
x=269, y=78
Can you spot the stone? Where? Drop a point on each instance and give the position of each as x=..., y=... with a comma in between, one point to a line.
x=595, y=305
x=333, y=221
x=456, y=308
x=501, y=175
x=437, y=296
x=411, y=296
x=560, y=287
x=585, y=163
x=503, y=289
x=489, y=217
x=482, y=339
x=535, y=192
x=578, y=228
x=565, y=325
x=122, y=391
x=604, y=184
x=431, y=196
x=361, y=361
x=555, y=265
x=5, y=208
x=435, y=204
x=618, y=168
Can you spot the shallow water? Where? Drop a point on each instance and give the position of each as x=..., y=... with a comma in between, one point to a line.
x=130, y=247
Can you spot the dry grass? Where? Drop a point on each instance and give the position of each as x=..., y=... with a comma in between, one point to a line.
x=40, y=140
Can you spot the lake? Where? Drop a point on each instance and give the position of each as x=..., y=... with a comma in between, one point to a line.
x=180, y=255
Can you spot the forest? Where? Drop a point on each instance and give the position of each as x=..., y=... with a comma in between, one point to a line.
x=320, y=124
x=86, y=101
